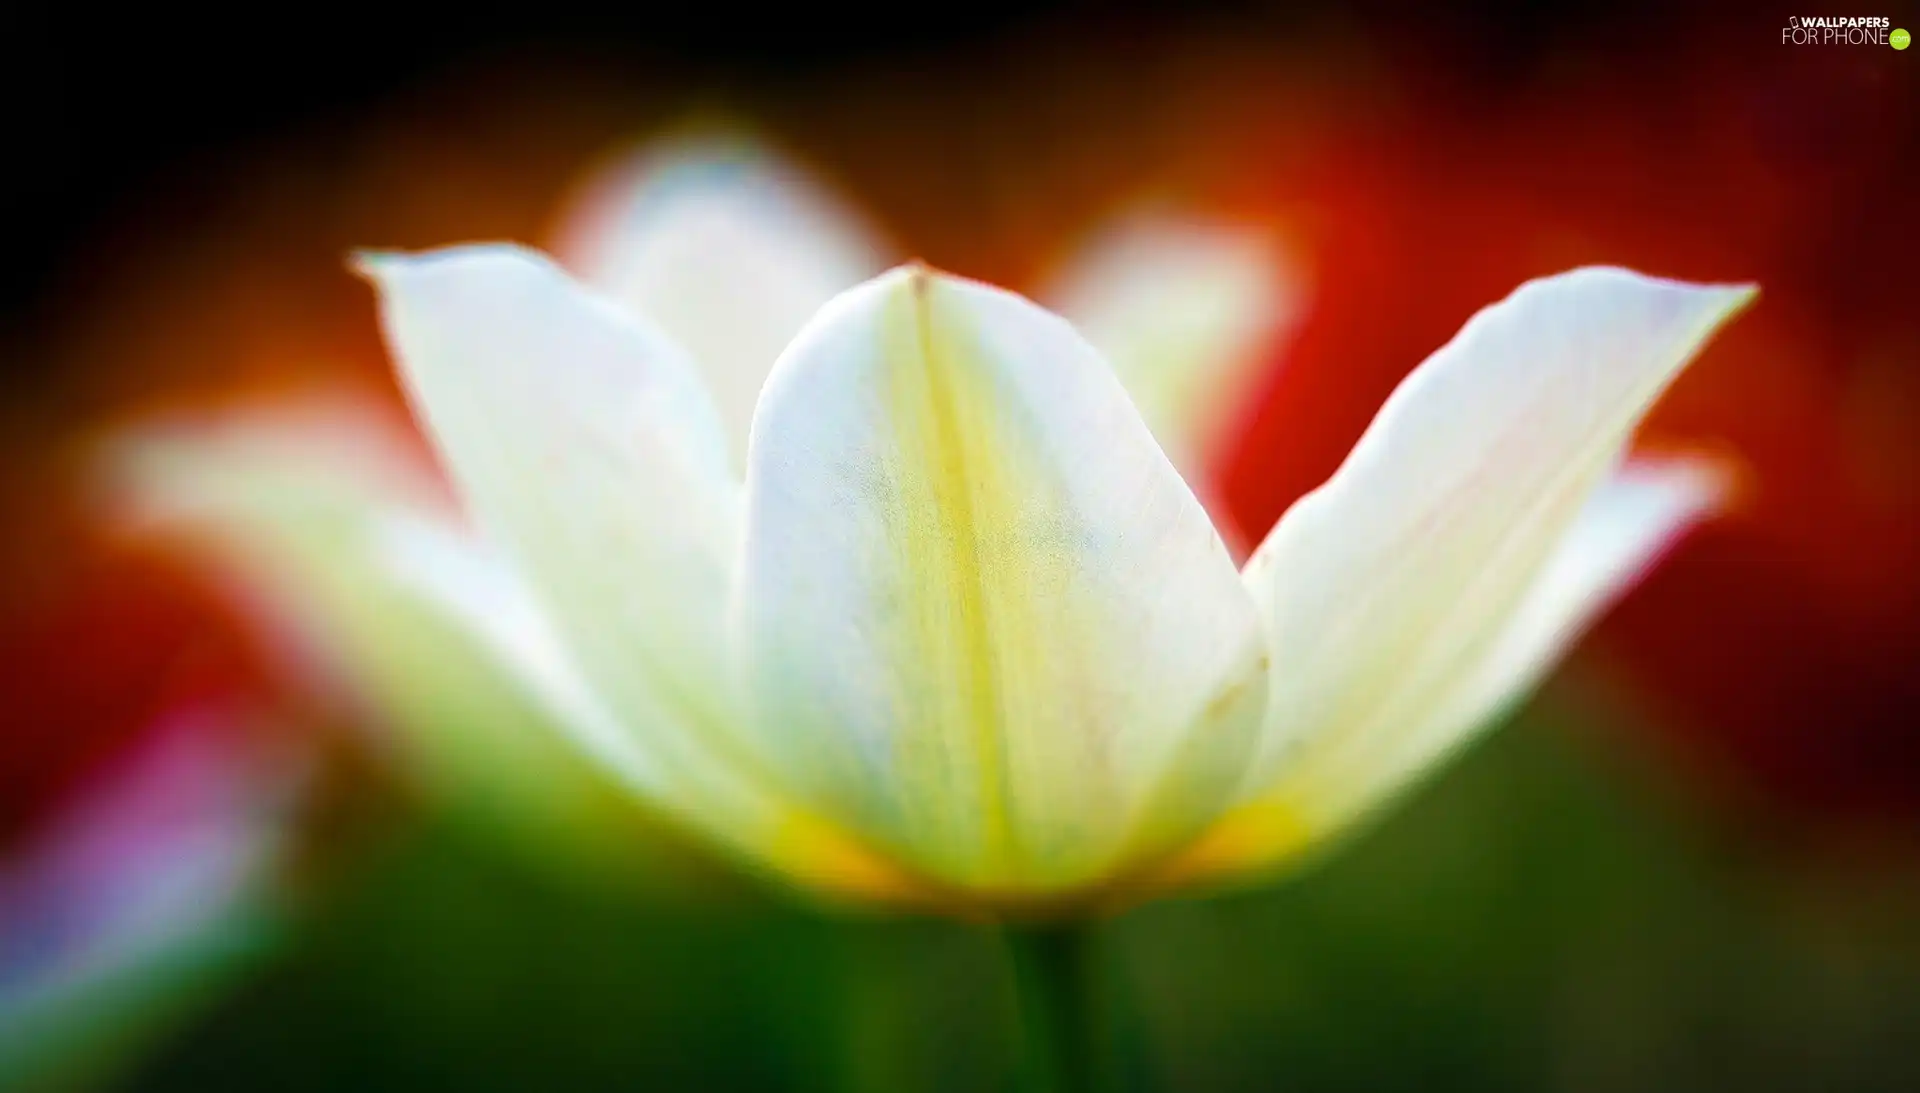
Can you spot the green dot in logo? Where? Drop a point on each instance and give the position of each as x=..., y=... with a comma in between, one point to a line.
x=1899, y=38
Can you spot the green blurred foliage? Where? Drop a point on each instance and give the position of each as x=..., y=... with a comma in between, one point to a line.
x=1542, y=916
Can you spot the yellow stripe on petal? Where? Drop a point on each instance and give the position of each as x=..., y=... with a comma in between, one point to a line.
x=965, y=493
x=990, y=628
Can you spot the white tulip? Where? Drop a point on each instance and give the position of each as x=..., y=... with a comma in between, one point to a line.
x=963, y=636
x=895, y=589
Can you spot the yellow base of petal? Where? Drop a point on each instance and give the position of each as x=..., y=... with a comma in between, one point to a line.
x=1253, y=838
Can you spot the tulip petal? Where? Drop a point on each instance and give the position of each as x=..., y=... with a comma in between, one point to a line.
x=1633, y=517
x=460, y=575
x=330, y=534
x=1185, y=311
x=1626, y=525
x=588, y=452
x=1402, y=570
x=727, y=248
x=476, y=588
x=990, y=627
x=292, y=507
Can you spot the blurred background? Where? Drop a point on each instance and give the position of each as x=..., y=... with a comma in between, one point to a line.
x=1691, y=862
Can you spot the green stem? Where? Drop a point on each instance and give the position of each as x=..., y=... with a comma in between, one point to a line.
x=1050, y=966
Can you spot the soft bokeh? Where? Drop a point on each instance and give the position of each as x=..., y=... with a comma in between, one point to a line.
x=1688, y=864
x=133, y=903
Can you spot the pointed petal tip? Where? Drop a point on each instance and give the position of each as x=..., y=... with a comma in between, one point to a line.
x=914, y=278
x=915, y=275
x=381, y=266
x=1742, y=295
x=371, y=264
x=1735, y=295
x=921, y=279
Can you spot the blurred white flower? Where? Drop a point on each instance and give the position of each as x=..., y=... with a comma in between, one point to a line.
x=730, y=250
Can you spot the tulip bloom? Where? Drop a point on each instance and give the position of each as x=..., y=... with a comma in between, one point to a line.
x=961, y=637
x=731, y=250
